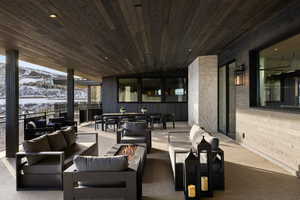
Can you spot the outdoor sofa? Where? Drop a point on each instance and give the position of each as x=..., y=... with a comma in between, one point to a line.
x=40, y=166
x=180, y=144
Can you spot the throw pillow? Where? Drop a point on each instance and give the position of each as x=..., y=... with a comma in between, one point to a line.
x=70, y=136
x=101, y=163
x=57, y=141
x=39, y=144
x=31, y=125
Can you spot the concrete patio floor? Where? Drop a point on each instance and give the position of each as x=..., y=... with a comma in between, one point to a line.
x=247, y=175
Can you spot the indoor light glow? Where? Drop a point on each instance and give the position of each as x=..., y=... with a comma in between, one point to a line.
x=52, y=15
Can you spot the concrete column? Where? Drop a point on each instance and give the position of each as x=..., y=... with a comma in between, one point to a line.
x=70, y=94
x=89, y=95
x=203, y=92
x=12, y=102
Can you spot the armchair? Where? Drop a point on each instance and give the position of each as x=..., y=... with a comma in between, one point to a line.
x=98, y=119
x=168, y=118
x=59, y=122
x=135, y=132
x=35, y=127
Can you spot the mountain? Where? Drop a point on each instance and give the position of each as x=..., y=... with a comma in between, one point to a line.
x=37, y=90
x=39, y=83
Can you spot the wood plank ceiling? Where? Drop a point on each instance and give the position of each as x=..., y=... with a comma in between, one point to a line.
x=110, y=37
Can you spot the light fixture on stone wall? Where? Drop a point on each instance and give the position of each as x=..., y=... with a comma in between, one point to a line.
x=240, y=75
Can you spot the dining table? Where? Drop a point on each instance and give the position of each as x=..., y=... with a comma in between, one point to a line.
x=120, y=115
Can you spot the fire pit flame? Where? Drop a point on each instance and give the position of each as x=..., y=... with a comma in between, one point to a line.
x=127, y=150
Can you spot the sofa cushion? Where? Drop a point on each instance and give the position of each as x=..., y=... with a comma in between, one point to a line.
x=57, y=141
x=36, y=145
x=213, y=141
x=57, y=120
x=41, y=123
x=178, y=153
x=194, y=132
x=49, y=165
x=76, y=149
x=101, y=163
x=70, y=136
x=134, y=128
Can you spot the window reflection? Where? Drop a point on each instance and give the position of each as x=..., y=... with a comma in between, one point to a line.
x=128, y=90
x=175, y=90
x=151, y=90
x=279, y=74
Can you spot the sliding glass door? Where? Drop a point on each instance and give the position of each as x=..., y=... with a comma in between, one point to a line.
x=227, y=108
x=222, y=100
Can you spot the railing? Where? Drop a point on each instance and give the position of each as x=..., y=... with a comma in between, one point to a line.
x=53, y=112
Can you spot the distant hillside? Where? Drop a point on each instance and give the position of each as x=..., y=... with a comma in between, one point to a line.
x=38, y=83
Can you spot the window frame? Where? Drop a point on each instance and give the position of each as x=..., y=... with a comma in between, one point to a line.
x=161, y=88
x=254, y=82
x=186, y=89
x=140, y=86
x=118, y=87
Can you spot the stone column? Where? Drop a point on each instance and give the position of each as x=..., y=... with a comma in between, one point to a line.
x=203, y=92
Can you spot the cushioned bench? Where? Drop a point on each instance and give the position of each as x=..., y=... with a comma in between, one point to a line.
x=40, y=166
x=180, y=144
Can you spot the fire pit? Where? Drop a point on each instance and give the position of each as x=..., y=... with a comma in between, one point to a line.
x=127, y=150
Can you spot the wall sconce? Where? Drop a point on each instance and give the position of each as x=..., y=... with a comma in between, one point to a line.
x=240, y=75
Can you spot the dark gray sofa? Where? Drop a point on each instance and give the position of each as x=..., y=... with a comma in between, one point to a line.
x=180, y=144
x=135, y=132
x=40, y=166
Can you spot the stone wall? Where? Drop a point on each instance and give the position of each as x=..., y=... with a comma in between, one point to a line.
x=193, y=92
x=203, y=92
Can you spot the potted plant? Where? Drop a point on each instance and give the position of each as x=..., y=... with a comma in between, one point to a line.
x=122, y=109
x=144, y=110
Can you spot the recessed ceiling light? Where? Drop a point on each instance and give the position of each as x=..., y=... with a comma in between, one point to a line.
x=275, y=49
x=52, y=15
x=106, y=58
x=137, y=5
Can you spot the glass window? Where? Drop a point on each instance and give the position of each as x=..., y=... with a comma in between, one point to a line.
x=95, y=94
x=175, y=90
x=151, y=90
x=128, y=90
x=279, y=74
